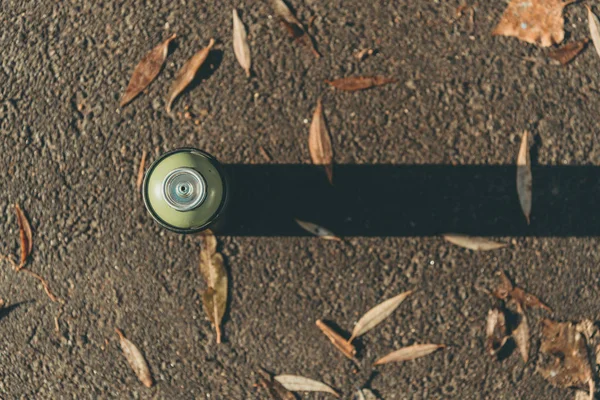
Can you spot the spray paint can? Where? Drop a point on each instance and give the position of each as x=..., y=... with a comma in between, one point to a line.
x=186, y=190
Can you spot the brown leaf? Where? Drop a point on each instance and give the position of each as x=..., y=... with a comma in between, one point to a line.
x=275, y=389
x=496, y=331
x=568, y=52
x=506, y=290
x=140, y=176
x=240, y=43
x=187, y=73
x=135, y=359
x=294, y=26
x=317, y=230
x=521, y=333
x=409, y=353
x=524, y=178
x=354, y=83
x=319, y=142
x=338, y=341
x=473, y=242
x=25, y=236
x=213, y=270
x=534, y=21
x=564, y=358
x=146, y=70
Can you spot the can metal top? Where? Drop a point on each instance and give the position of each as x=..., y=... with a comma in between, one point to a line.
x=185, y=190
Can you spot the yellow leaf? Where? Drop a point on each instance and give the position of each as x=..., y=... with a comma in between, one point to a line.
x=135, y=359
x=213, y=270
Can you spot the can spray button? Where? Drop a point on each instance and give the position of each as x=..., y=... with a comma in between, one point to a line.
x=184, y=189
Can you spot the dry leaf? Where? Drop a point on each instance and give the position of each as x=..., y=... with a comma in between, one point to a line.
x=136, y=359
x=564, y=358
x=319, y=142
x=25, y=236
x=496, y=331
x=377, y=314
x=473, y=242
x=187, y=73
x=568, y=52
x=294, y=26
x=146, y=70
x=524, y=179
x=521, y=333
x=296, y=383
x=364, y=53
x=364, y=394
x=338, y=341
x=2, y=303
x=240, y=43
x=140, y=176
x=594, y=25
x=275, y=389
x=506, y=290
x=409, y=353
x=317, y=230
x=354, y=83
x=211, y=267
x=534, y=21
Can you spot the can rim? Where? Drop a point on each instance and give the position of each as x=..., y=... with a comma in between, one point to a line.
x=217, y=213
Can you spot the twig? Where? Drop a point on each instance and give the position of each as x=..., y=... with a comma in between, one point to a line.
x=140, y=176
x=44, y=284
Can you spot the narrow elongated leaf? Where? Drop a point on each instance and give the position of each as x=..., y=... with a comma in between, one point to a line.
x=317, y=230
x=141, y=169
x=319, y=142
x=568, y=52
x=146, y=70
x=135, y=359
x=338, y=341
x=594, y=25
x=354, y=83
x=295, y=383
x=275, y=389
x=377, y=314
x=496, y=331
x=187, y=73
x=295, y=28
x=409, y=353
x=25, y=236
x=521, y=333
x=240, y=43
x=364, y=394
x=213, y=270
x=472, y=242
x=524, y=178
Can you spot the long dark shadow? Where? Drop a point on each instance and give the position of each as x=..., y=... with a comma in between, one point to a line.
x=412, y=200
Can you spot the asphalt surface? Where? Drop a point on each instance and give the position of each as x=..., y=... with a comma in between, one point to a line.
x=70, y=159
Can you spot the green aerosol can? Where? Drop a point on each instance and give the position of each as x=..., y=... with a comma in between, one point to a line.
x=186, y=190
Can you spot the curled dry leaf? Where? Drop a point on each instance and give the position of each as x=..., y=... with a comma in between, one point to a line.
x=338, y=341
x=135, y=359
x=25, y=236
x=293, y=26
x=211, y=267
x=506, y=290
x=496, y=331
x=275, y=389
x=140, y=176
x=594, y=25
x=319, y=142
x=296, y=383
x=534, y=21
x=187, y=73
x=521, y=333
x=472, y=242
x=409, y=353
x=564, y=358
x=317, y=230
x=377, y=314
x=354, y=83
x=568, y=52
x=524, y=178
x=240, y=43
x=146, y=71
